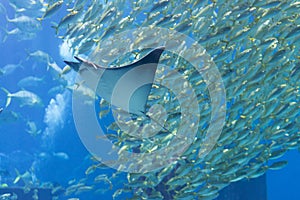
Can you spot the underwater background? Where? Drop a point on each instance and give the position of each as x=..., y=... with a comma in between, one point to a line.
x=39, y=143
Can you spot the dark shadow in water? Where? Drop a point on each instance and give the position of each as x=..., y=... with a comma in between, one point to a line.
x=44, y=194
x=245, y=190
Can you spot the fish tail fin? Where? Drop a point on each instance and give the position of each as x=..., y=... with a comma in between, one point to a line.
x=49, y=64
x=281, y=40
x=5, y=34
x=7, y=19
x=28, y=53
x=55, y=26
x=4, y=38
x=8, y=101
x=18, y=178
x=5, y=90
x=43, y=79
x=2, y=10
x=56, y=29
x=20, y=64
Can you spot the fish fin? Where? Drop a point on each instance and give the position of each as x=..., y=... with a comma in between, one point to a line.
x=29, y=131
x=77, y=85
x=20, y=64
x=18, y=178
x=40, y=19
x=28, y=53
x=55, y=26
x=48, y=66
x=43, y=79
x=4, y=38
x=7, y=19
x=70, y=87
x=2, y=10
x=8, y=101
x=5, y=34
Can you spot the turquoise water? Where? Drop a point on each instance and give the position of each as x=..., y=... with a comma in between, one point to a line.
x=42, y=147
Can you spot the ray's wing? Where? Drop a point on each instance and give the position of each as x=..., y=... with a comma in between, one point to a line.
x=128, y=86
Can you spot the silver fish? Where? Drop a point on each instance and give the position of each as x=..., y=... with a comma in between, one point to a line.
x=25, y=23
x=30, y=81
x=26, y=98
x=51, y=9
x=10, y=68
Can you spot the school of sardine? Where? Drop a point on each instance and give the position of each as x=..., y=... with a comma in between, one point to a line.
x=253, y=43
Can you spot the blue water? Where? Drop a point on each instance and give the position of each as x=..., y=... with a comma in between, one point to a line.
x=24, y=149
x=283, y=184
